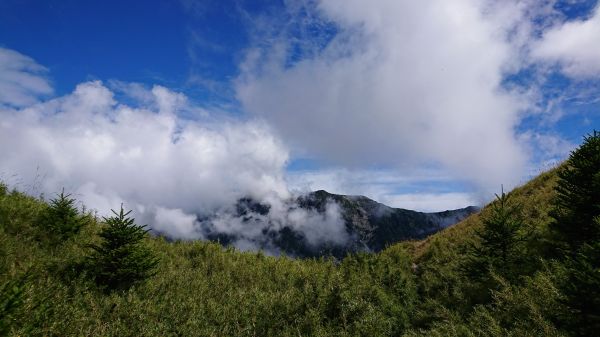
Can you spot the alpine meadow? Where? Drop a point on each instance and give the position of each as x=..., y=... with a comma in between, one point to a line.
x=300, y=168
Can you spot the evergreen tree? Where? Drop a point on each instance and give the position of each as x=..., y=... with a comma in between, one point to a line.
x=576, y=234
x=61, y=220
x=582, y=289
x=498, y=250
x=578, y=197
x=500, y=241
x=122, y=259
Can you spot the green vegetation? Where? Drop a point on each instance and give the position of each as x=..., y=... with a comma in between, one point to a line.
x=199, y=289
x=526, y=265
x=500, y=239
x=11, y=297
x=541, y=295
x=61, y=219
x=576, y=229
x=498, y=251
x=577, y=204
x=122, y=259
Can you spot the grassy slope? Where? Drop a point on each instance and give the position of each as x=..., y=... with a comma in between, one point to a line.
x=444, y=289
x=534, y=197
x=203, y=289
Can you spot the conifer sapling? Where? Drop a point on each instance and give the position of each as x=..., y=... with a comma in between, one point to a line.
x=62, y=219
x=122, y=259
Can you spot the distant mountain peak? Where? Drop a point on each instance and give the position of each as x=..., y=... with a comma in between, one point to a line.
x=369, y=225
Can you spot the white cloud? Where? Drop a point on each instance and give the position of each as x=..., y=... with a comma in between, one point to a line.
x=165, y=168
x=21, y=79
x=547, y=146
x=402, y=83
x=574, y=45
x=172, y=172
x=320, y=228
x=141, y=155
x=176, y=223
x=250, y=230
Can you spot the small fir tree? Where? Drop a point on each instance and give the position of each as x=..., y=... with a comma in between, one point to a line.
x=498, y=251
x=122, y=259
x=501, y=239
x=61, y=220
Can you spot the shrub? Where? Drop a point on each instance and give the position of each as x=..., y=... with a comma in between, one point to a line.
x=11, y=298
x=3, y=189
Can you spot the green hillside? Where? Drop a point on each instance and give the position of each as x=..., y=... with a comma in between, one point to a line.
x=200, y=288
x=449, y=310
x=451, y=284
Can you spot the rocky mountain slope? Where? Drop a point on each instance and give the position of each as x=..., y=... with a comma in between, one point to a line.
x=369, y=225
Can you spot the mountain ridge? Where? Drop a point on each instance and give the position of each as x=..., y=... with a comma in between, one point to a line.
x=370, y=225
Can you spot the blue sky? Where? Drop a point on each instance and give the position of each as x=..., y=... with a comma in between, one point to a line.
x=344, y=95
x=156, y=42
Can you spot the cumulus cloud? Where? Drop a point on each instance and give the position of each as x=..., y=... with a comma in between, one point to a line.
x=140, y=153
x=402, y=83
x=182, y=177
x=573, y=45
x=22, y=79
x=108, y=151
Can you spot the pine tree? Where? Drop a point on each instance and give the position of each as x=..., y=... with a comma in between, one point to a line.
x=61, y=220
x=576, y=234
x=122, y=259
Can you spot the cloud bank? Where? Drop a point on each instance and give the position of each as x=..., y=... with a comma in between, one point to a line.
x=401, y=83
x=141, y=153
x=171, y=171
